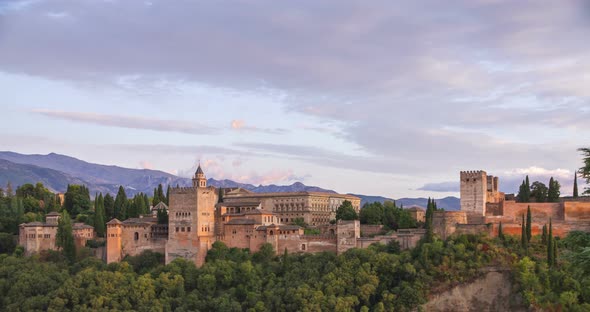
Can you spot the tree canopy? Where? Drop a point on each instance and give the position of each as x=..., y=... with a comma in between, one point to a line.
x=346, y=212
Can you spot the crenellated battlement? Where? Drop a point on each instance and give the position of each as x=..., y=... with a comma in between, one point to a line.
x=473, y=174
x=182, y=189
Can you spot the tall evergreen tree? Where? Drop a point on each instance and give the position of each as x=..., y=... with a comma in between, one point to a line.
x=109, y=207
x=554, y=258
x=146, y=201
x=528, y=189
x=575, y=184
x=550, y=245
x=585, y=170
x=544, y=234
x=161, y=194
x=99, y=216
x=500, y=233
x=65, y=237
x=528, y=224
x=554, y=191
x=168, y=195
x=120, y=204
x=156, y=199
x=523, y=235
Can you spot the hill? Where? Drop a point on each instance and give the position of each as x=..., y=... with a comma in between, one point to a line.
x=57, y=171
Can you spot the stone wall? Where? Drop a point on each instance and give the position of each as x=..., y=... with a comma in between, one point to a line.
x=406, y=239
x=576, y=211
x=347, y=234
x=371, y=229
x=540, y=212
x=444, y=223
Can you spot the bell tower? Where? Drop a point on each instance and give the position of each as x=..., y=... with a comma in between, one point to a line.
x=199, y=180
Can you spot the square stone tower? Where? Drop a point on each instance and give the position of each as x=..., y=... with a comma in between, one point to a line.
x=191, y=220
x=474, y=187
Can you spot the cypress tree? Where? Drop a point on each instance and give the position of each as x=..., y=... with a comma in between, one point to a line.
x=146, y=201
x=553, y=193
x=500, y=233
x=544, y=234
x=120, y=204
x=161, y=195
x=528, y=189
x=109, y=207
x=523, y=236
x=99, y=216
x=168, y=195
x=156, y=198
x=550, y=245
x=575, y=185
x=65, y=238
x=554, y=252
x=528, y=224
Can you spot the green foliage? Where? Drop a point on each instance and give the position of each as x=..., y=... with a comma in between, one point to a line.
x=346, y=212
x=77, y=199
x=539, y=191
x=7, y=243
x=529, y=234
x=524, y=191
x=162, y=215
x=109, y=207
x=585, y=169
x=575, y=192
x=554, y=191
x=99, y=216
x=523, y=236
x=387, y=214
x=65, y=238
x=120, y=204
x=500, y=232
x=299, y=222
x=379, y=278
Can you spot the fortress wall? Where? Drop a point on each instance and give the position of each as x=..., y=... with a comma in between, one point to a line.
x=474, y=229
x=576, y=211
x=540, y=212
x=370, y=229
x=560, y=228
x=444, y=223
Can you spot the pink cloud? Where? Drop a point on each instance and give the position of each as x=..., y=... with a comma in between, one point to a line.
x=144, y=164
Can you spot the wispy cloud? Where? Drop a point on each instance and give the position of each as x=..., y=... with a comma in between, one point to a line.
x=131, y=122
x=441, y=187
x=240, y=125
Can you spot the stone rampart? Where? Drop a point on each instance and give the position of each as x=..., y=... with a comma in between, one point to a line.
x=370, y=229
x=540, y=212
x=576, y=211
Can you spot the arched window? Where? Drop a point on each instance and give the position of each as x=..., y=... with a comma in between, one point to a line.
x=136, y=236
x=302, y=246
x=271, y=232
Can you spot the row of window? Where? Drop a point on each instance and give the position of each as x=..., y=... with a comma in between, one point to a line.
x=182, y=214
x=39, y=236
x=182, y=229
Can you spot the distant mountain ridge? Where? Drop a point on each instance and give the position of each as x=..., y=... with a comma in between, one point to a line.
x=448, y=203
x=56, y=171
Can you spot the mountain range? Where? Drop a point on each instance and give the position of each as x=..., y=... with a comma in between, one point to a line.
x=56, y=171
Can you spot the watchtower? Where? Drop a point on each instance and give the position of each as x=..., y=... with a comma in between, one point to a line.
x=474, y=187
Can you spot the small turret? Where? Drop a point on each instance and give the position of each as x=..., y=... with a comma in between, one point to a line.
x=199, y=180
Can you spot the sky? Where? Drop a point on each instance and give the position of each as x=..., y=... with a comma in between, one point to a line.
x=388, y=98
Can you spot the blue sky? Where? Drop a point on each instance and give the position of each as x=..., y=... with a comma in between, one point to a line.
x=379, y=98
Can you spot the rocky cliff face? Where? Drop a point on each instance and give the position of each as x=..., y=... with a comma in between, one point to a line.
x=492, y=292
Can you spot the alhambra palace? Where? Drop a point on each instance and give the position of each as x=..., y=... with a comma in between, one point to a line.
x=201, y=215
